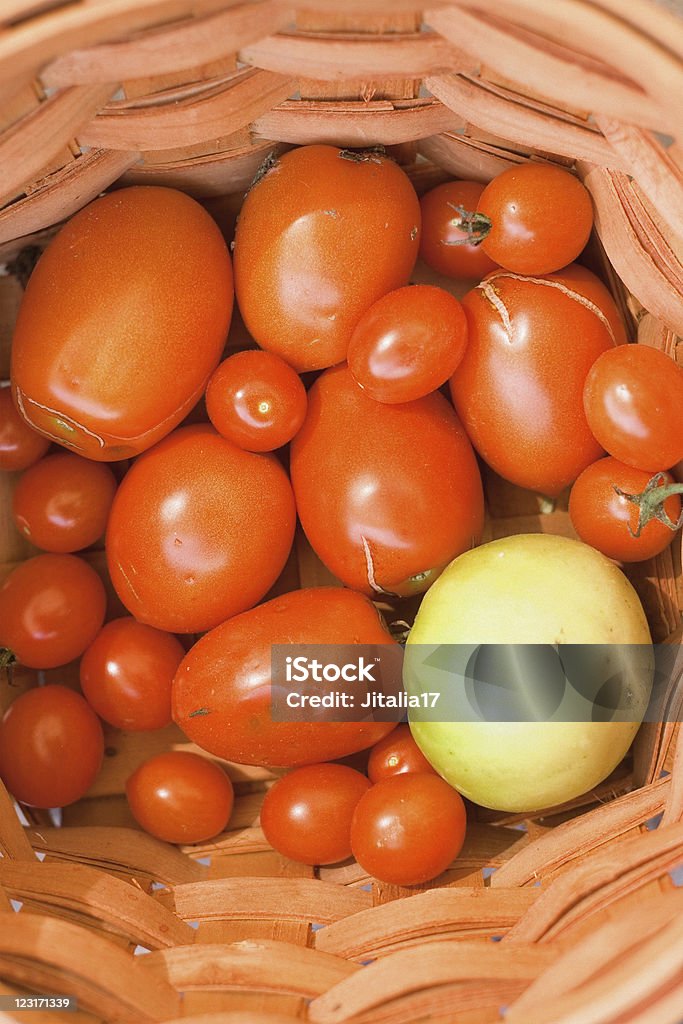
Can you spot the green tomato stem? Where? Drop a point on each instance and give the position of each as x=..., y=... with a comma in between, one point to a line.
x=475, y=225
x=650, y=503
x=7, y=657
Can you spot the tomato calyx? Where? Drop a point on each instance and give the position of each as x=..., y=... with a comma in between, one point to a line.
x=7, y=657
x=476, y=226
x=650, y=503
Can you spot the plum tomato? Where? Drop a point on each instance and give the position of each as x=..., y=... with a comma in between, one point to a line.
x=408, y=343
x=633, y=399
x=222, y=689
x=256, y=400
x=387, y=494
x=124, y=319
x=306, y=816
x=180, y=797
x=396, y=753
x=519, y=387
x=611, y=523
x=62, y=503
x=443, y=245
x=51, y=608
x=540, y=218
x=408, y=828
x=126, y=674
x=51, y=747
x=199, y=531
x=322, y=234
x=20, y=445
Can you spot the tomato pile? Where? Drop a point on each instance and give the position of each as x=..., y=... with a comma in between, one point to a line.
x=406, y=391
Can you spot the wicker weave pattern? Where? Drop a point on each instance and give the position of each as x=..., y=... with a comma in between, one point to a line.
x=194, y=94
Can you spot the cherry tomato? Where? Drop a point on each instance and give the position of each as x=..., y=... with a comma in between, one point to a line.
x=126, y=674
x=124, y=318
x=51, y=608
x=408, y=828
x=20, y=445
x=256, y=400
x=540, y=215
x=408, y=343
x=396, y=753
x=180, y=797
x=633, y=398
x=306, y=815
x=442, y=245
x=51, y=747
x=519, y=387
x=222, y=690
x=199, y=531
x=608, y=521
x=62, y=503
x=387, y=494
x=321, y=236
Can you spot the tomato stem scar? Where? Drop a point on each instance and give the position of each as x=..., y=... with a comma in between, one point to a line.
x=7, y=657
x=199, y=712
x=650, y=503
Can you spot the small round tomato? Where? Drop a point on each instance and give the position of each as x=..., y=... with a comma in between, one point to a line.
x=322, y=234
x=540, y=218
x=609, y=522
x=408, y=828
x=222, y=690
x=633, y=398
x=20, y=445
x=306, y=815
x=256, y=400
x=51, y=747
x=408, y=343
x=199, y=531
x=519, y=387
x=127, y=672
x=180, y=797
x=387, y=494
x=51, y=608
x=443, y=245
x=395, y=754
x=62, y=503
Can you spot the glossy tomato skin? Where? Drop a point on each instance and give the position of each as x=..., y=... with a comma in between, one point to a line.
x=408, y=828
x=306, y=816
x=633, y=398
x=519, y=387
x=51, y=608
x=123, y=320
x=441, y=243
x=222, y=690
x=126, y=674
x=180, y=797
x=541, y=218
x=199, y=531
x=321, y=236
x=605, y=520
x=256, y=400
x=395, y=754
x=20, y=445
x=408, y=343
x=62, y=503
x=51, y=747
x=385, y=493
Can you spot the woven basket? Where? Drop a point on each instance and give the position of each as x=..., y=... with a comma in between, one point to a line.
x=193, y=94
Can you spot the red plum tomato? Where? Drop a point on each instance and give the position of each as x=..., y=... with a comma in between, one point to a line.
x=51, y=747
x=408, y=343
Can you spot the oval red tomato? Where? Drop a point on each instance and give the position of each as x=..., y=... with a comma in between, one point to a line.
x=443, y=245
x=395, y=754
x=124, y=318
x=387, y=494
x=408, y=343
x=51, y=747
x=222, y=690
x=519, y=387
x=322, y=235
x=20, y=445
x=199, y=531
